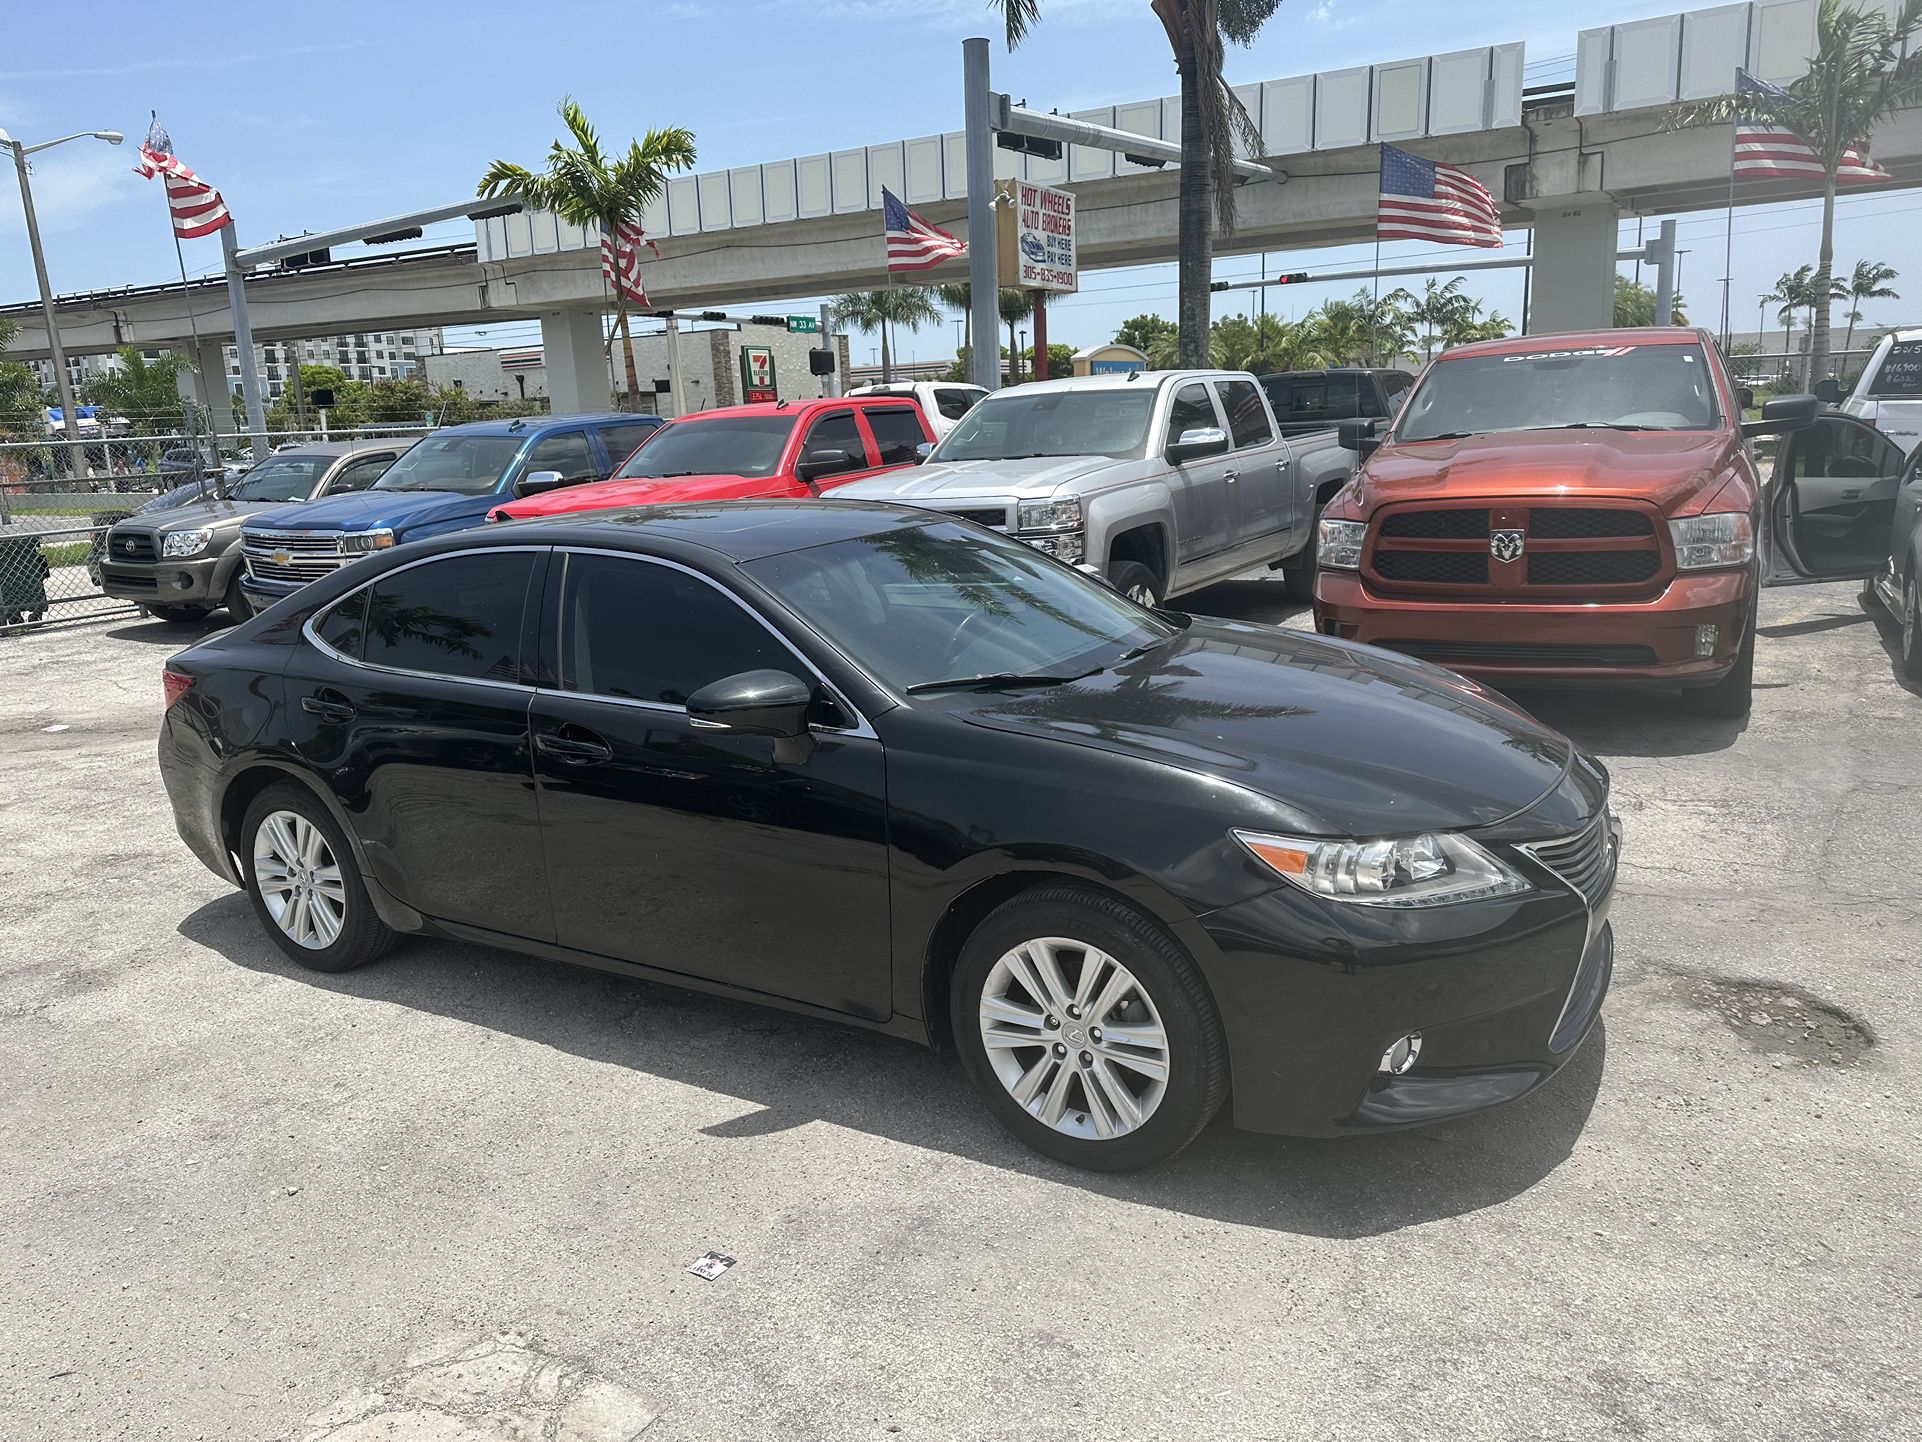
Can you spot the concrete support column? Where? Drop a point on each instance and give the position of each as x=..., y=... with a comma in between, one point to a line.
x=207, y=386
x=576, y=368
x=1574, y=281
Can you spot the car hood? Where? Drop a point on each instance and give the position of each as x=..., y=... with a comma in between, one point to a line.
x=216, y=512
x=1669, y=468
x=1353, y=741
x=641, y=492
x=1037, y=476
x=370, y=510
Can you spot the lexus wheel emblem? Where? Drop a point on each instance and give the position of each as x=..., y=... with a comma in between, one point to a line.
x=1506, y=545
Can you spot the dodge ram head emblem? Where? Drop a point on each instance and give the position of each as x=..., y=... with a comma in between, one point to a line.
x=1506, y=545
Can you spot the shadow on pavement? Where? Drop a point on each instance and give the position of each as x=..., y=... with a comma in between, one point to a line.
x=1631, y=723
x=151, y=631
x=796, y=1070
x=1888, y=630
x=1264, y=600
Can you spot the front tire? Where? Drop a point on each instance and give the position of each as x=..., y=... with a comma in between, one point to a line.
x=304, y=882
x=1136, y=582
x=1298, y=575
x=239, y=608
x=1087, y=1031
x=1912, y=628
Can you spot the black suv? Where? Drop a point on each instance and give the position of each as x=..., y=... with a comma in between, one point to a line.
x=1306, y=401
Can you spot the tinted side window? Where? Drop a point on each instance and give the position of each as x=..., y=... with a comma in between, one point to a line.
x=621, y=441
x=644, y=632
x=1191, y=411
x=1344, y=397
x=569, y=453
x=1247, y=416
x=1307, y=399
x=342, y=626
x=897, y=434
x=359, y=475
x=954, y=402
x=837, y=432
x=460, y=616
x=1838, y=448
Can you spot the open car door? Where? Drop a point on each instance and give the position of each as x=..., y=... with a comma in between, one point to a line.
x=1832, y=502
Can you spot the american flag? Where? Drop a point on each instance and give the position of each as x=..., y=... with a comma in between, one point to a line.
x=196, y=206
x=913, y=244
x=1428, y=200
x=621, y=259
x=1773, y=152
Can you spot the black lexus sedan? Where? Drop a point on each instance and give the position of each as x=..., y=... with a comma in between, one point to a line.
x=891, y=768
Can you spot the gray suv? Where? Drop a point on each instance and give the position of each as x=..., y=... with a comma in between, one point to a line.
x=184, y=562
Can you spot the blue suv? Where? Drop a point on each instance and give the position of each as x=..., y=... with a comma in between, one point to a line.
x=448, y=481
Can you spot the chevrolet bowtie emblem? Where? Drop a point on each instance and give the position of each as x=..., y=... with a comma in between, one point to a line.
x=283, y=558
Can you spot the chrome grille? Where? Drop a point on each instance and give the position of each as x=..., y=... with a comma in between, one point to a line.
x=1586, y=860
x=299, y=556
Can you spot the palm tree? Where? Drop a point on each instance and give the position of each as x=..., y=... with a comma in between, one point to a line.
x=1212, y=121
x=959, y=297
x=1869, y=282
x=869, y=311
x=1439, y=310
x=1858, y=76
x=1015, y=306
x=586, y=186
x=146, y=392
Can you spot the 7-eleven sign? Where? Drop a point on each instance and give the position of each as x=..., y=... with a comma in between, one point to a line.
x=757, y=372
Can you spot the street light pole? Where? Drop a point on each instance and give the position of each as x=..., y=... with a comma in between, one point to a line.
x=70, y=418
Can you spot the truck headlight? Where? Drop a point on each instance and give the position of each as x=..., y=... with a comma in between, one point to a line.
x=1338, y=544
x=1433, y=869
x=1727, y=539
x=186, y=543
x=1062, y=515
x=359, y=543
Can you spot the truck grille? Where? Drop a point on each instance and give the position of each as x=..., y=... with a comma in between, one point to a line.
x=131, y=545
x=298, y=556
x=995, y=516
x=1551, y=552
x=1586, y=860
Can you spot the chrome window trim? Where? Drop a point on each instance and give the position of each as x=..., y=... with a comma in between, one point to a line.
x=313, y=636
x=861, y=727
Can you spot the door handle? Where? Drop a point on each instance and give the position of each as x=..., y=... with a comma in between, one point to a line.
x=1232, y=476
x=583, y=749
x=334, y=713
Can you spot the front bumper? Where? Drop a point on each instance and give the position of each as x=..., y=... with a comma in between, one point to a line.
x=186, y=581
x=1502, y=992
x=1649, y=643
x=263, y=592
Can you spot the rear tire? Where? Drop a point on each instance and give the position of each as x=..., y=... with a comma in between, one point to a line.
x=306, y=887
x=1730, y=698
x=1127, y=1097
x=1136, y=582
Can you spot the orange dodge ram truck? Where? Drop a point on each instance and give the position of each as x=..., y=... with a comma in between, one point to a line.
x=1563, y=510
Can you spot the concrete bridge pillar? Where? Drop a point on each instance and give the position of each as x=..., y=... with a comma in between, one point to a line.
x=1574, y=281
x=206, y=385
x=576, y=366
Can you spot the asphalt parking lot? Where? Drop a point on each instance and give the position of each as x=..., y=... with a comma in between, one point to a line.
x=454, y=1196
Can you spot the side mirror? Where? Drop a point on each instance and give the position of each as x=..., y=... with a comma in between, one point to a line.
x=923, y=451
x=826, y=461
x=534, y=482
x=1783, y=414
x=1829, y=391
x=1358, y=436
x=1202, y=441
x=754, y=703
x=1744, y=396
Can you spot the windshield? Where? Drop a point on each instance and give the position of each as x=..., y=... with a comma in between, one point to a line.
x=923, y=605
x=1627, y=387
x=471, y=465
x=284, y=478
x=1901, y=371
x=1015, y=425
x=723, y=446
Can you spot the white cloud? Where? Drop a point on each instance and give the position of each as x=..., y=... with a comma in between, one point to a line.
x=72, y=184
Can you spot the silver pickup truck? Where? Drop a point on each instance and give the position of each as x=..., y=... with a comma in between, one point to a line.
x=1165, y=481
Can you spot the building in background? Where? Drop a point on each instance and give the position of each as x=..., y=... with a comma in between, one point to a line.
x=710, y=356
x=370, y=356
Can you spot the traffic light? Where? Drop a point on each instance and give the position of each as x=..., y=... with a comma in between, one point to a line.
x=1028, y=144
x=820, y=362
x=1294, y=277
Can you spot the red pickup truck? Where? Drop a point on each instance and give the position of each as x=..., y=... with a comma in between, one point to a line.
x=754, y=452
x=1561, y=510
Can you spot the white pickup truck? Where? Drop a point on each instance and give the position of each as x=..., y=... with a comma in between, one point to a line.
x=1165, y=481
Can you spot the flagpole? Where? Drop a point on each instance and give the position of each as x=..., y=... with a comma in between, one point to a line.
x=193, y=320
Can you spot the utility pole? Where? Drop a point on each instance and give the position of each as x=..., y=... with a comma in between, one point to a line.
x=244, y=340
x=982, y=261
x=300, y=391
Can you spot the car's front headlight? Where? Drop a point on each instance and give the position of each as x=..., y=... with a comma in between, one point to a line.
x=1338, y=544
x=359, y=543
x=186, y=543
x=1428, y=870
x=1064, y=515
x=1702, y=542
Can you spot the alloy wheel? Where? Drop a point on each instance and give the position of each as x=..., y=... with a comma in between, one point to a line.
x=299, y=879
x=1075, y=1038
x=1142, y=595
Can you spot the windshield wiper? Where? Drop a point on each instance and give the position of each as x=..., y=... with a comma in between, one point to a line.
x=992, y=680
x=1444, y=436
x=1594, y=426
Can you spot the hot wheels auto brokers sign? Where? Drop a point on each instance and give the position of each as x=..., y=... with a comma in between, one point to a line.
x=1044, y=238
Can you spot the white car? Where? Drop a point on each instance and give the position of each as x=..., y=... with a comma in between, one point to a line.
x=1889, y=394
x=942, y=402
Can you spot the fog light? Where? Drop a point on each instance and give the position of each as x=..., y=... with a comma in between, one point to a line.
x=1401, y=1056
x=1707, y=638
x=185, y=581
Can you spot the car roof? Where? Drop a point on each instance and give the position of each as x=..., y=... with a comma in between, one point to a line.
x=736, y=530
x=1141, y=380
x=345, y=448
x=803, y=407
x=1627, y=336
x=533, y=425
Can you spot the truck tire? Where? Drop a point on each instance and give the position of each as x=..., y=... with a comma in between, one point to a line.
x=1730, y=697
x=239, y=608
x=1912, y=628
x=1298, y=572
x=1136, y=582
x=177, y=615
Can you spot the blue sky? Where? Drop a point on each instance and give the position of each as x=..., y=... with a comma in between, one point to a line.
x=310, y=117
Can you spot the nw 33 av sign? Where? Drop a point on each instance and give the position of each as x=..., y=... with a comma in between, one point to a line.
x=1043, y=236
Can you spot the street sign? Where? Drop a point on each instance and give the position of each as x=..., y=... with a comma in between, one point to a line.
x=803, y=325
x=757, y=373
x=1037, y=240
